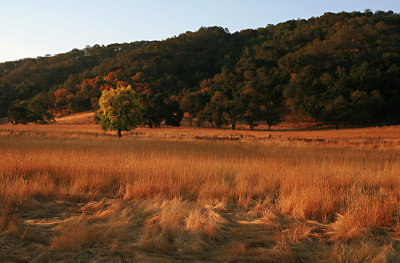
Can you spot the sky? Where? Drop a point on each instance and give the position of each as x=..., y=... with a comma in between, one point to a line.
x=31, y=28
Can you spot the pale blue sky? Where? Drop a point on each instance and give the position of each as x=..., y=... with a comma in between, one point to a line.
x=31, y=28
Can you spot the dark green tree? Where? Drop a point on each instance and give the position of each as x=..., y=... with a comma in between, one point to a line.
x=337, y=110
x=235, y=109
x=18, y=112
x=270, y=116
x=39, y=108
x=154, y=109
x=173, y=113
x=366, y=107
x=217, y=109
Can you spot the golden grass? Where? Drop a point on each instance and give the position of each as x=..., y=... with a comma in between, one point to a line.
x=165, y=198
x=100, y=227
x=373, y=137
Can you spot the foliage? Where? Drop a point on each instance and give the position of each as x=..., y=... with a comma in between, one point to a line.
x=270, y=115
x=338, y=68
x=61, y=99
x=38, y=108
x=173, y=113
x=18, y=112
x=119, y=109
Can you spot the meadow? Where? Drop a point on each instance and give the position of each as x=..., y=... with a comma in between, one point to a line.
x=72, y=193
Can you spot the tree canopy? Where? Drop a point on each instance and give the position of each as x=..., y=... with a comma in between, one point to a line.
x=119, y=109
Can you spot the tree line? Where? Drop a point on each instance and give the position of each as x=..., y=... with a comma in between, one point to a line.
x=342, y=69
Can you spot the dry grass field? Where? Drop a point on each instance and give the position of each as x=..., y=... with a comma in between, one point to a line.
x=72, y=193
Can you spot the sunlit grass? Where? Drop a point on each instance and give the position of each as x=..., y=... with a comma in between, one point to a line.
x=185, y=196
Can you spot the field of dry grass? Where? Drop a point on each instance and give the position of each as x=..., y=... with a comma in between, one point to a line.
x=72, y=193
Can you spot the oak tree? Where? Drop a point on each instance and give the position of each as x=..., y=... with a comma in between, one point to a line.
x=119, y=109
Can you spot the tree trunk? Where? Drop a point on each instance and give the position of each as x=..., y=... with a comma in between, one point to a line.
x=119, y=133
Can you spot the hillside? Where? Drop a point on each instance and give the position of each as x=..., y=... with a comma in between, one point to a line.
x=78, y=118
x=338, y=69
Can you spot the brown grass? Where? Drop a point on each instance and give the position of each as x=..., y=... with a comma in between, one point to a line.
x=10, y=223
x=373, y=137
x=69, y=194
x=100, y=226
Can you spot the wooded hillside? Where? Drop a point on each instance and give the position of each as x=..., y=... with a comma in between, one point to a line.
x=338, y=68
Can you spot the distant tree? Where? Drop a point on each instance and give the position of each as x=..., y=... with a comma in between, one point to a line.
x=251, y=100
x=270, y=115
x=188, y=104
x=38, y=108
x=119, y=109
x=312, y=107
x=252, y=115
x=205, y=115
x=216, y=108
x=173, y=113
x=151, y=116
x=61, y=100
x=337, y=110
x=234, y=109
x=153, y=111
x=193, y=103
x=366, y=107
x=18, y=112
x=77, y=103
